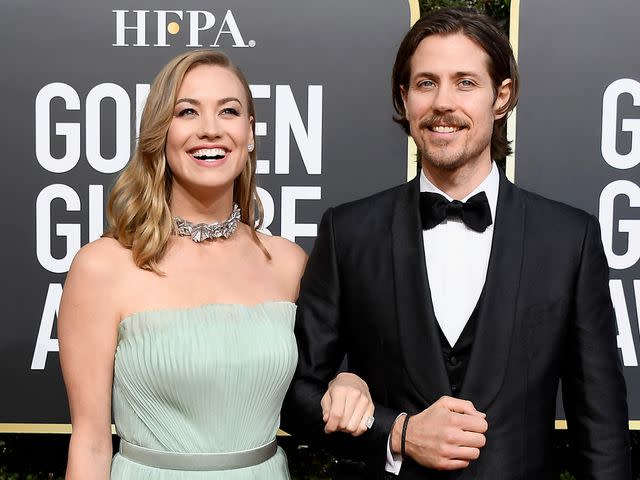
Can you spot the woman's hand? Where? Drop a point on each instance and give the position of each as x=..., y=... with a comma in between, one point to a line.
x=347, y=405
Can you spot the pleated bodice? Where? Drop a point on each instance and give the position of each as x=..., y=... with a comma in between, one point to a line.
x=206, y=379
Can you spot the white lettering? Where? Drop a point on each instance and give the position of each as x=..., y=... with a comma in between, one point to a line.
x=631, y=227
x=142, y=92
x=71, y=131
x=289, y=228
x=261, y=91
x=68, y=230
x=269, y=209
x=140, y=28
x=162, y=25
x=625, y=338
x=195, y=28
x=230, y=21
x=309, y=142
x=96, y=209
x=45, y=343
x=122, y=124
x=610, y=122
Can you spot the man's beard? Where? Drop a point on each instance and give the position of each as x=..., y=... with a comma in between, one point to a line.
x=445, y=160
x=442, y=157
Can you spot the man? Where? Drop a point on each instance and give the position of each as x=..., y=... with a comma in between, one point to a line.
x=459, y=298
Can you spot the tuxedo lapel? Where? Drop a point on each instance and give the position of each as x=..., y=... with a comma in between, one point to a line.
x=496, y=316
x=418, y=334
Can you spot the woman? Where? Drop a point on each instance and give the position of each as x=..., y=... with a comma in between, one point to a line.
x=180, y=319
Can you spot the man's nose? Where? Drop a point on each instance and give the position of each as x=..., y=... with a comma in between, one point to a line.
x=444, y=99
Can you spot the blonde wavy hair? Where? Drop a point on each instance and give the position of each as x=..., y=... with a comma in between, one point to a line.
x=138, y=211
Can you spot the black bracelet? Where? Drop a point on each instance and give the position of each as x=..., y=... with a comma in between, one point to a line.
x=403, y=438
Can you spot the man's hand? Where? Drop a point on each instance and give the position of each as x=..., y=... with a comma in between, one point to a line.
x=445, y=436
x=347, y=405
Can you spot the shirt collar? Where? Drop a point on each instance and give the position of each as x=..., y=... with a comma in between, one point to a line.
x=489, y=185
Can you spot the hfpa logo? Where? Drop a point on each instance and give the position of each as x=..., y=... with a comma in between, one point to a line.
x=133, y=24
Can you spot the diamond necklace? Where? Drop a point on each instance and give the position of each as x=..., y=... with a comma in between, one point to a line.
x=202, y=231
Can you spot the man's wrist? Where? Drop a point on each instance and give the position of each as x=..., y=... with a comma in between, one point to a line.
x=396, y=433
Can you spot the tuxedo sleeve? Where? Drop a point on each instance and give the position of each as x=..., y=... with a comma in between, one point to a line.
x=319, y=331
x=594, y=389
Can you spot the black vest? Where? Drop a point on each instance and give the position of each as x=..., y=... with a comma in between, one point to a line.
x=456, y=358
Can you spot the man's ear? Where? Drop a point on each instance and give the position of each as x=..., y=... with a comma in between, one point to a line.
x=502, y=99
x=403, y=94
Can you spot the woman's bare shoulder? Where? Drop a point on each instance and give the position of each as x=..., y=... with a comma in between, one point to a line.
x=287, y=257
x=96, y=284
x=101, y=259
x=286, y=249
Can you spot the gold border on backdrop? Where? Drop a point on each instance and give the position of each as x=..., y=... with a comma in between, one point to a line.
x=412, y=150
x=35, y=428
x=514, y=33
x=56, y=428
x=414, y=8
x=39, y=428
x=65, y=428
x=562, y=425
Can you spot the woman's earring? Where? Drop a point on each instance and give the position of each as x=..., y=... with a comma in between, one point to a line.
x=250, y=147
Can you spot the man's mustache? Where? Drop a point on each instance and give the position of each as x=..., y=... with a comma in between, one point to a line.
x=447, y=119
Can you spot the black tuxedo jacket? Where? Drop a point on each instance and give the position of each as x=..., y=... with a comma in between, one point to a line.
x=546, y=316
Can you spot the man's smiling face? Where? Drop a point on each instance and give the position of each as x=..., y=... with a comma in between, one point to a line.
x=451, y=103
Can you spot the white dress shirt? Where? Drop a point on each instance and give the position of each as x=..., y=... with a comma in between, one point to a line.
x=457, y=258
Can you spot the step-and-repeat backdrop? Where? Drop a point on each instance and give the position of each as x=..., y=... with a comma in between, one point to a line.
x=74, y=80
x=75, y=77
x=578, y=135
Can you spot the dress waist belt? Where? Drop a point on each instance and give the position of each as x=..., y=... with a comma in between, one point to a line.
x=197, y=461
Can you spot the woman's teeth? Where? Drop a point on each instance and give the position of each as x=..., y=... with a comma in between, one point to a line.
x=209, y=154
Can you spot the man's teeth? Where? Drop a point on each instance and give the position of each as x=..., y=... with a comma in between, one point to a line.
x=209, y=153
x=443, y=129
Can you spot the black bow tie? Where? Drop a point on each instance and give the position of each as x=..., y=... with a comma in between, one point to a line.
x=475, y=212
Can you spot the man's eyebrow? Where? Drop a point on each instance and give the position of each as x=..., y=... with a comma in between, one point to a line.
x=427, y=74
x=468, y=73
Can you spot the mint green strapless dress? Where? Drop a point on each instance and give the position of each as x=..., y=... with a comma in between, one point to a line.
x=206, y=379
